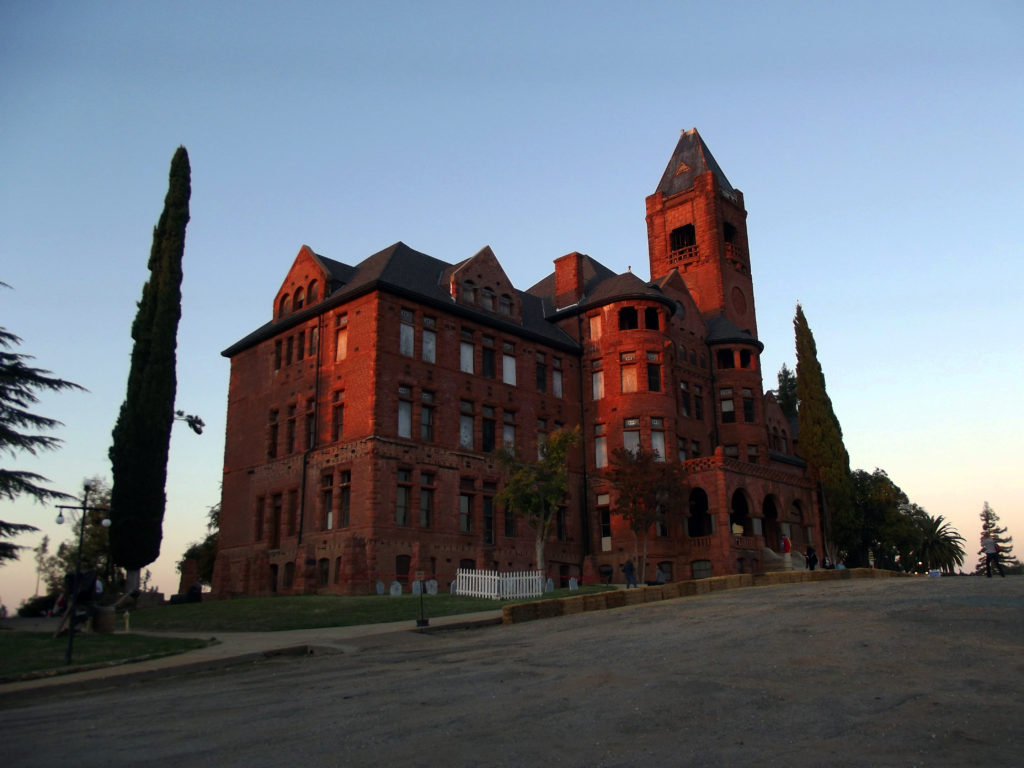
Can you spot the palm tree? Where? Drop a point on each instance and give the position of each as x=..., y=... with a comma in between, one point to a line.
x=939, y=545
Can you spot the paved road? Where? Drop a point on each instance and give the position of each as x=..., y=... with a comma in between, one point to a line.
x=901, y=672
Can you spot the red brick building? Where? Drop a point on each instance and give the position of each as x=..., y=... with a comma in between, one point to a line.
x=362, y=418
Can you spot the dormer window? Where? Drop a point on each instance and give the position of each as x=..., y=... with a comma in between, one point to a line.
x=487, y=299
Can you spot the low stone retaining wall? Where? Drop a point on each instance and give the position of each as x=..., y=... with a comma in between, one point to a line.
x=601, y=601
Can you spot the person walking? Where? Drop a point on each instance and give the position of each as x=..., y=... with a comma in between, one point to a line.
x=991, y=550
x=630, y=571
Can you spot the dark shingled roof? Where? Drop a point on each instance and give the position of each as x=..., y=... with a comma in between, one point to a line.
x=721, y=330
x=400, y=270
x=691, y=159
x=600, y=286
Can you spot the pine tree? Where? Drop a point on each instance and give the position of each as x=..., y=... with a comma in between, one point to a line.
x=821, y=441
x=19, y=383
x=141, y=438
x=990, y=525
x=786, y=394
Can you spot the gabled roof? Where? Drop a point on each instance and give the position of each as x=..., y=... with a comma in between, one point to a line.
x=691, y=159
x=400, y=270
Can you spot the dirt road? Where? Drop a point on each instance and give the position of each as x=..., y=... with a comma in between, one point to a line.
x=873, y=672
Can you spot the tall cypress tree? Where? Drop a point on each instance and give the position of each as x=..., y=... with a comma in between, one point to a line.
x=143, y=431
x=821, y=440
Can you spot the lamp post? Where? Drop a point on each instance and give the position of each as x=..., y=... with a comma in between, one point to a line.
x=84, y=509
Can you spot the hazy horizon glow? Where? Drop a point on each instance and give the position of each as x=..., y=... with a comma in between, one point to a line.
x=877, y=147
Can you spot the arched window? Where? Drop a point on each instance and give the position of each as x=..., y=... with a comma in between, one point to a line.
x=469, y=292
x=487, y=299
x=505, y=305
x=282, y=307
x=313, y=293
x=298, y=301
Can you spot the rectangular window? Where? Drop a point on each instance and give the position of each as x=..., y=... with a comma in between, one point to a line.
x=698, y=403
x=289, y=347
x=427, y=423
x=344, y=497
x=556, y=383
x=465, y=513
x=426, y=499
x=488, y=515
x=403, y=497
x=653, y=377
x=752, y=453
x=631, y=440
x=327, y=500
x=542, y=373
x=487, y=429
x=487, y=369
x=260, y=509
x=658, y=445
x=508, y=365
x=684, y=400
x=290, y=431
x=748, y=405
x=310, y=425
x=337, y=415
x=429, y=346
x=293, y=512
x=595, y=328
x=651, y=318
x=597, y=384
x=695, y=449
x=562, y=524
x=604, y=515
x=728, y=409
x=404, y=417
x=628, y=379
x=601, y=451
x=725, y=359
x=731, y=451
x=466, y=356
x=300, y=345
x=340, y=344
x=508, y=430
x=277, y=355
x=272, y=430
x=466, y=425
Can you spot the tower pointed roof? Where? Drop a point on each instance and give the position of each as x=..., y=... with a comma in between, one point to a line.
x=691, y=159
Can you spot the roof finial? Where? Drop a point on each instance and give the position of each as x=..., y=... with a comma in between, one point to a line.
x=629, y=269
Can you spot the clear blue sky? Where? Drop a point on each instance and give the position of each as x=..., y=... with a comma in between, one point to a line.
x=878, y=146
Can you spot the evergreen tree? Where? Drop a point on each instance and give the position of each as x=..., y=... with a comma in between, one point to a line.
x=204, y=552
x=19, y=384
x=648, y=490
x=821, y=442
x=141, y=438
x=534, y=490
x=785, y=396
x=990, y=525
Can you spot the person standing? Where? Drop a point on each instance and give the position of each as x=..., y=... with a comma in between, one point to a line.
x=991, y=550
x=812, y=558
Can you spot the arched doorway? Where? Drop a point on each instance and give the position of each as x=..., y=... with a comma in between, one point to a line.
x=699, y=522
x=770, y=513
x=739, y=515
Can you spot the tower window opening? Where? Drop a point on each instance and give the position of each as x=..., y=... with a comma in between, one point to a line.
x=628, y=319
x=682, y=237
x=725, y=359
x=651, y=319
x=729, y=232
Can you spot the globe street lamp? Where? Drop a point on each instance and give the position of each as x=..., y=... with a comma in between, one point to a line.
x=76, y=587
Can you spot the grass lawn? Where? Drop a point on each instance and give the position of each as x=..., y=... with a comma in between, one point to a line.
x=269, y=614
x=26, y=652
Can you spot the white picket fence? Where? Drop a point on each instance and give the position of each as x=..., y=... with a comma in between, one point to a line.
x=497, y=585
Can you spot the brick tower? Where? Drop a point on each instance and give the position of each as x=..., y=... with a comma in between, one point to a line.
x=696, y=224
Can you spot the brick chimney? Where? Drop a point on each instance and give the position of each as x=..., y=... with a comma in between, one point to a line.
x=568, y=279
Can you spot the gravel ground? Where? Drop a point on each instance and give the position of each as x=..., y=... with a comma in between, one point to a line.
x=869, y=672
